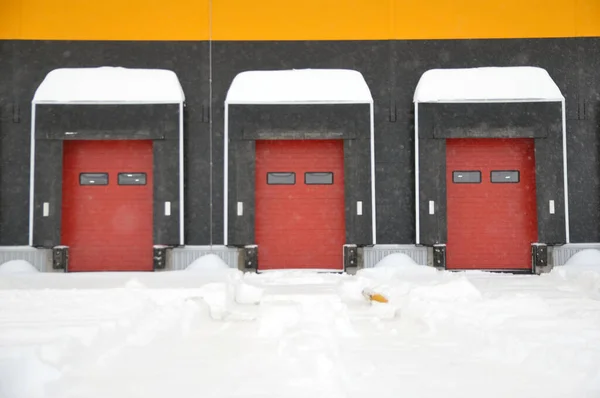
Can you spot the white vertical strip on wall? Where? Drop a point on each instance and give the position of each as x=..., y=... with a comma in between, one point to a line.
x=565, y=173
x=31, y=174
x=418, y=223
x=225, y=173
x=181, y=179
x=210, y=120
x=373, y=203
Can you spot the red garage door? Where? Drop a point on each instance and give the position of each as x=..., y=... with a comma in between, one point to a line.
x=492, y=218
x=107, y=205
x=300, y=221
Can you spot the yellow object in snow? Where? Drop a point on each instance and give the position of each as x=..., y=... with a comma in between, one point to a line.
x=373, y=296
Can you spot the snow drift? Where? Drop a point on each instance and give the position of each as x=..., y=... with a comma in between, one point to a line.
x=183, y=334
x=208, y=262
x=397, y=265
x=17, y=267
x=582, y=268
x=585, y=258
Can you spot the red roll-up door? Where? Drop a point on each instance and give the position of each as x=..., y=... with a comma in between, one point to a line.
x=492, y=216
x=107, y=205
x=300, y=217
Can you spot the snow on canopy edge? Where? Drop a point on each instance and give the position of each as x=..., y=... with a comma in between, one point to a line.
x=299, y=86
x=109, y=85
x=487, y=84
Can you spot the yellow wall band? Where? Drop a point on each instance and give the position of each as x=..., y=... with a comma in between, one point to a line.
x=296, y=19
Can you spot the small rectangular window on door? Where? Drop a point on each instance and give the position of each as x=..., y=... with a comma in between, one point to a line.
x=132, y=179
x=504, y=176
x=318, y=178
x=466, y=177
x=93, y=179
x=281, y=178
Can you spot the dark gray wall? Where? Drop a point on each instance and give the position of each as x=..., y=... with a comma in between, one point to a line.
x=432, y=186
x=540, y=121
x=242, y=168
x=583, y=140
x=373, y=59
x=28, y=62
x=166, y=189
x=14, y=147
x=48, y=188
x=159, y=123
x=350, y=122
x=95, y=122
x=391, y=69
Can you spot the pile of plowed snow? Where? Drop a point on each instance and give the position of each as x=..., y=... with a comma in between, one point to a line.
x=209, y=262
x=397, y=265
x=583, y=268
x=17, y=267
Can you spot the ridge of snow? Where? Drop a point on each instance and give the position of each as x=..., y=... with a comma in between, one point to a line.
x=299, y=86
x=109, y=85
x=487, y=84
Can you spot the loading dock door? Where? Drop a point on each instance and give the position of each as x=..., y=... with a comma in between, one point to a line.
x=300, y=219
x=107, y=205
x=492, y=218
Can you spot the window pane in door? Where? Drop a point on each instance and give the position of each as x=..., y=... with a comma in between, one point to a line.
x=281, y=178
x=466, y=177
x=504, y=176
x=132, y=178
x=318, y=178
x=93, y=179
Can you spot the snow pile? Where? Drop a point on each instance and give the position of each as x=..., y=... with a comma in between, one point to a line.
x=247, y=294
x=208, y=262
x=397, y=265
x=589, y=258
x=393, y=277
x=397, y=260
x=17, y=267
x=135, y=284
x=351, y=291
x=583, y=268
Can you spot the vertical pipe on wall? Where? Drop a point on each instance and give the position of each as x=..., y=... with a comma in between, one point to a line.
x=31, y=174
x=418, y=224
x=373, y=203
x=225, y=173
x=565, y=173
x=181, y=179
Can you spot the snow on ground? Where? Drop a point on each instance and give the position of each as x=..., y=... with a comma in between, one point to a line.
x=220, y=333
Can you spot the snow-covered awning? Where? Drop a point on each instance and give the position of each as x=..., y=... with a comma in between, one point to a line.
x=109, y=85
x=488, y=84
x=299, y=86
